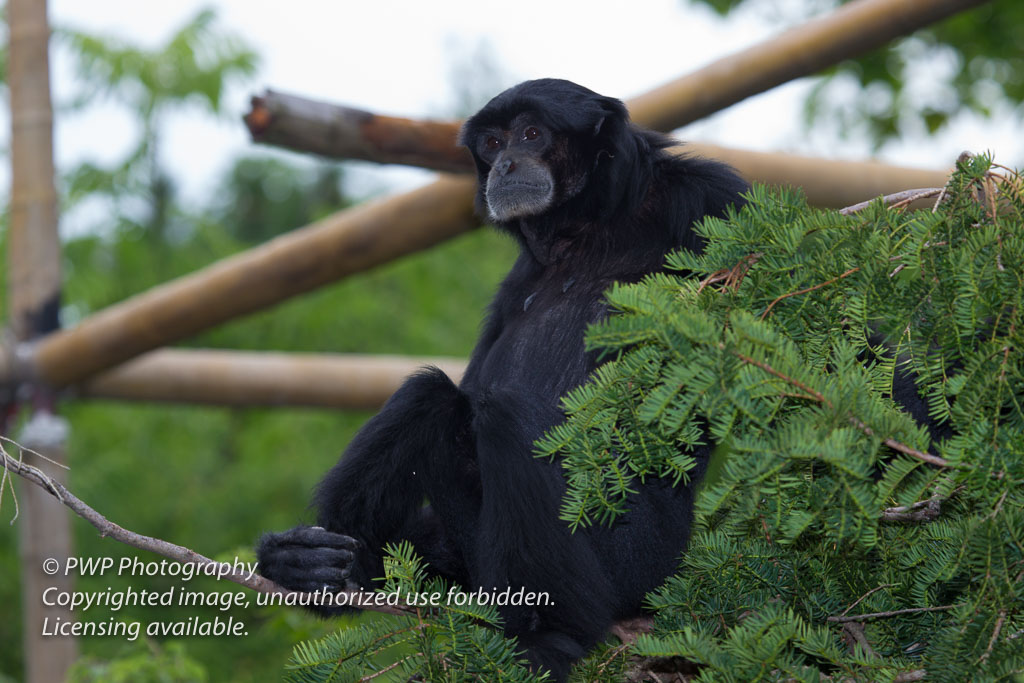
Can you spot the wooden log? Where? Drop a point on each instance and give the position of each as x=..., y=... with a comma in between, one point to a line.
x=33, y=272
x=350, y=241
x=340, y=132
x=238, y=378
x=853, y=29
x=256, y=280
x=827, y=183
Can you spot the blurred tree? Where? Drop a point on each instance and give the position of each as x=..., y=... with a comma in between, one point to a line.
x=146, y=662
x=475, y=74
x=194, y=66
x=263, y=196
x=973, y=62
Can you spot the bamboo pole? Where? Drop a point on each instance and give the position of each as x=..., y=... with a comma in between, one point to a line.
x=236, y=378
x=275, y=271
x=34, y=297
x=850, y=30
x=350, y=241
x=827, y=183
x=340, y=132
x=33, y=257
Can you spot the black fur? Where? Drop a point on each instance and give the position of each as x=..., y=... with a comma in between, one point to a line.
x=619, y=204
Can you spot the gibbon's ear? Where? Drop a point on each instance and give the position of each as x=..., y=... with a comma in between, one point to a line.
x=621, y=151
x=614, y=134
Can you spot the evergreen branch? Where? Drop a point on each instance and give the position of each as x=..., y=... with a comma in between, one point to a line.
x=612, y=656
x=902, y=448
x=999, y=504
x=800, y=386
x=923, y=194
x=851, y=271
x=714, y=277
x=389, y=667
x=995, y=635
x=866, y=595
x=813, y=393
x=962, y=158
x=173, y=551
x=819, y=397
x=893, y=613
x=805, y=397
x=896, y=200
x=383, y=642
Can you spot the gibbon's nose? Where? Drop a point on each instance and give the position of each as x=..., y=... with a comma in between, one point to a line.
x=506, y=166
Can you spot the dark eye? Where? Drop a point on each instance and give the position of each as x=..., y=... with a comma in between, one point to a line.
x=531, y=133
x=492, y=143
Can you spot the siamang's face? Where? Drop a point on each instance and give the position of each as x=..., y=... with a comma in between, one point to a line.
x=538, y=146
x=525, y=167
x=520, y=182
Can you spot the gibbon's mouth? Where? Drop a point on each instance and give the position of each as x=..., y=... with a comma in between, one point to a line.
x=525, y=185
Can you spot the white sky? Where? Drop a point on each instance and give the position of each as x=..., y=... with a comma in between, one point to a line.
x=396, y=58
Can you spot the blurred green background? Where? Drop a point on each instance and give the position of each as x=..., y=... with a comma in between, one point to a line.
x=212, y=478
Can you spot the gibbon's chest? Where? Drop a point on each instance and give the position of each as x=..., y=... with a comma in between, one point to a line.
x=540, y=342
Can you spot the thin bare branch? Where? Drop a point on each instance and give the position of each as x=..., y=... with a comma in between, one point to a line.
x=851, y=271
x=995, y=636
x=360, y=599
x=389, y=667
x=865, y=596
x=893, y=613
x=903, y=448
x=896, y=200
x=180, y=553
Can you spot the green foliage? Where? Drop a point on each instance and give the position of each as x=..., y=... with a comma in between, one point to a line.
x=446, y=643
x=261, y=197
x=970, y=62
x=146, y=662
x=783, y=340
x=194, y=66
x=208, y=466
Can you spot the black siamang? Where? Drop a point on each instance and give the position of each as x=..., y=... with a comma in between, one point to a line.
x=591, y=199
